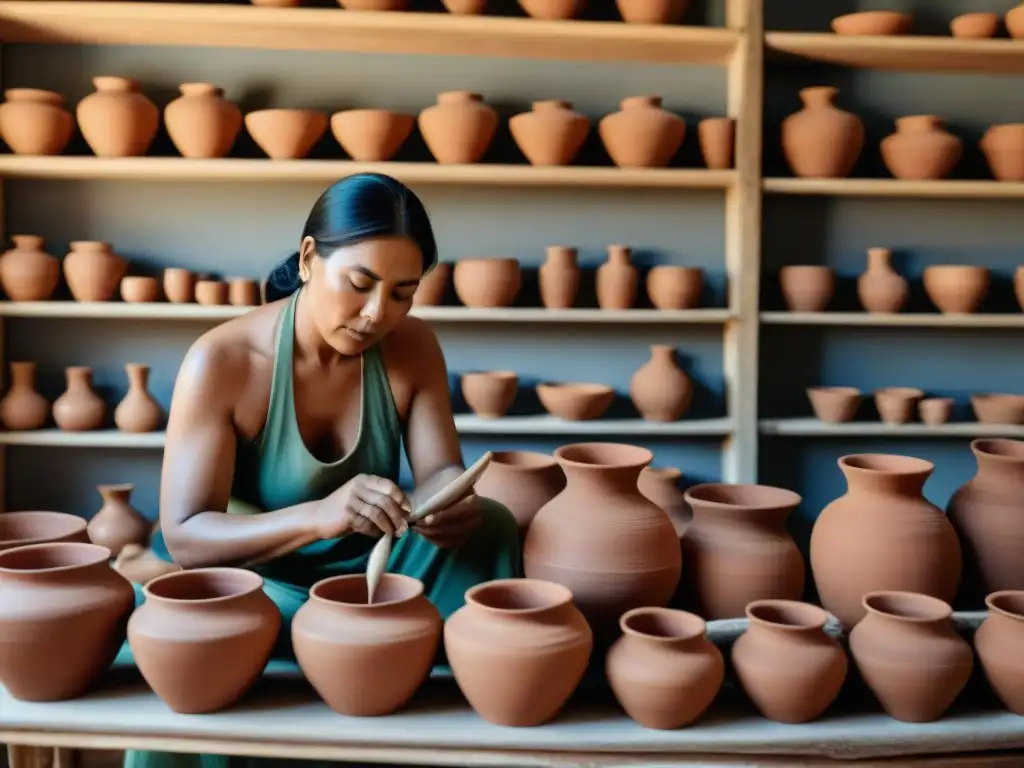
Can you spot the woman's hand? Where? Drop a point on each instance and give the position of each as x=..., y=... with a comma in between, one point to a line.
x=450, y=527
x=366, y=504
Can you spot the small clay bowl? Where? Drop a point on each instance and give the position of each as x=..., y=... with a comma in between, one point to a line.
x=575, y=402
x=489, y=394
x=243, y=292
x=675, y=287
x=998, y=408
x=975, y=26
x=432, y=286
x=211, y=292
x=137, y=289
x=179, y=285
x=935, y=410
x=834, y=405
x=956, y=289
x=19, y=529
x=896, y=405
x=286, y=134
x=807, y=288
x=371, y=135
x=873, y=23
x=487, y=283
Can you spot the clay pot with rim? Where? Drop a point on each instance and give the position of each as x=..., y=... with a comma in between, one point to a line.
x=523, y=481
x=673, y=287
x=717, y=139
x=1014, y=21
x=93, y=271
x=998, y=408
x=873, y=23
x=998, y=642
x=553, y=10
x=487, y=283
x=286, y=134
x=975, y=26
x=559, y=277
x=465, y=7
x=489, y=394
x=956, y=289
x=20, y=529
x=371, y=135
x=652, y=11
x=642, y=134
x=201, y=122
x=660, y=389
x=79, y=408
x=459, y=128
x=23, y=408
x=117, y=523
x=807, y=287
x=661, y=485
x=935, y=410
x=896, y=405
x=880, y=288
x=27, y=272
x=1003, y=147
x=575, y=401
x=179, y=285
x=117, y=119
x=243, y=292
x=920, y=149
x=834, y=405
x=909, y=655
x=617, y=279
x=433, y=286
x=35, y=122
x=140, y=289
x=822, y=141
x=138, y=411
x=551, y=133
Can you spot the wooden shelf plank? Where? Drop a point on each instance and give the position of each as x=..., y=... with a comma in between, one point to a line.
x=904, y=320
x=812, y=427
x=329, y=29
x=949, y=188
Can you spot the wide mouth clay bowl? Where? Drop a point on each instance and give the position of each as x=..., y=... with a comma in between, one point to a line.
x=371, y=135
x=748, y=496
x=52, y=556
x=204, y=585
x=490, y=393
x=935, y=410
x=834, y=405
x=487, y=282
x=575, y=402
x=977, y=26
x=353, y=589
x=956, y=289
x=18, y=529
x=140, y=289
x=519, y=595
x=906, y=606
x=662, y=624
x=603, y=455
x=787, y=614
x=286, y=134
x=998, y=408
x=1008, y=602
x=873, y=23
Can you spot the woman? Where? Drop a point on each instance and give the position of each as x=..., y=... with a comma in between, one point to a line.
x=288, y=421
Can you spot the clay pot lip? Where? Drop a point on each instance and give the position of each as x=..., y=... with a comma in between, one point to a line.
x=912, y=122
x=910, y=607
x=826, y=389
x=28, y=241
x=996, y=602
x=448, y=97
x=476, y=261
x=210, y=280
x=258, y=114
x=250, y=580
x=989, y=447
x=40, y=94
x=200, y=88
x=619, y=455
x=717, y=120
x=730, y=495
x=89, y=245
x=802, y=268
x=885, y=464
x=937, y=269
x=523, y=459
x=341, y=114
x=664, y=473
x=687, y=625
x=543, y=104
x=581, y=387
x=802, y=617
x=996, y=396
x=75, y=525
x=558, y=595
x=675, y=269
x=505, y=376
x=115, y=83
x=641, y=100
x=98, y=555
x=910, y=392
x=177, y=271
x=139, y=280
x=938, y=400
x=414, y=589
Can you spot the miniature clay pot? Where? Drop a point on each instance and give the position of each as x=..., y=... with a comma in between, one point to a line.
x=79, y=408
x=117, y=120
x=661, y=485
x=487, y=283
x=880, y=288
x=203, y=636
x=642, y=134
x=371, y=135
x=35, y=122
x=660, y=389
x=366, y=659
x=286, y=134
x=27, y=272
x=138, y=411
x=575, y=401
x=822, y=141
x=671, y=287
x=920, y=149
x=652, y=11
x=559, y=277
x=807, y=287
x=137, y=289
x=243, y=292
x=20, y=529
x=62, y=617
x=93, y=271
x=433, y=286
x=179, y=285
x=717, y=139
x=909, y=655
x=117, y=523
x=1014, y=21
x=998, y=642
x=553, y=10
x=201, y=122
x=975, y=26
x=459, y=128
x=834, y=405
x=956, y=289
x=23, y=408
x=935, y=410
x=873, y=23
x=518, y=649
x=882, y=534
x=1003, y=147
x=896, y=405
x=489, y=394
x=465, y=7
x=211, y=293
x=998, y=408
x=523, y=481
x=617, y=280
x=551, y=134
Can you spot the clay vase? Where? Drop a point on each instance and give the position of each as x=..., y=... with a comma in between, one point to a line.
x=660, y=389
x=673, y=287
x=1014, y=21
x=371, y=135
x=590, y=536
x=617, y=280
x=117, y=120
x=459, y=128
x=956, y=289
x=882, y=534
x=661, y=485
x=27, y=272
x=138, y=411
x=737, y=549
x=880, y=288
x=523, y=481
x=433, y=286
x=909, y=655
x=717, y=139
x=201, y=122
x=998, y=642
x=791, y=670
x=920, y=149
x=62, y=619
x=652, y=11
x=366, y=659
x=489, y=394
x=79, y=408
x=35, y=122
x=1002, y=145
x=23, y=407
x=642, y=134
x=518, y=648
x=664, y=671
x=807, y=287
x=19, y=529
x=821, y=140
x=117, y=523
x=93, y=271
x=551, y=134
x=559, y=278
x=203, y=636
x=179, y=285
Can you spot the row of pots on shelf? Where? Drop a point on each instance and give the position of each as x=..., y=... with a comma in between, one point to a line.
x=632, y=11
x=976, y=25
x=896, y=405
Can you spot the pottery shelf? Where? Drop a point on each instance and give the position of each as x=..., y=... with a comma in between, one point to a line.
x=902, y=320
x=811, y=427
x=948, y=188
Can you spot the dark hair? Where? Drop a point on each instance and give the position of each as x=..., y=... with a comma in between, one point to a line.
x=356, y=208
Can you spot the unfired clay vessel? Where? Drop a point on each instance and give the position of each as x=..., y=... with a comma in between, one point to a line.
x=523, y=481
x=670, y=286
x=935, y=410
x=807, y=287
x=873, y=23
x=487, y=283
x=1003, y=147
x=23, y=407
x=117, y=120
x=1018, y=286
x=998, y=408
x=286, y=134
x=433, y=286
x=880, y=288
x=211, y=293
x=201, y=122
x=1014, y=20
x=371, y=135
x=617, y=280
x=956, y=289
x=661, y=485
x=459, y=128
x=821, y=140
x=140, y=289
x=920, y=149
x=465, y=7
x=834, y=405
x=660, y=389
x=998, y=642
x=575, y=401
x=489, y=394
x=138, y=411
x=27, y=272
x=717, y=139
x=553, y=10
x=35, y=122
x=179, y=285
x=243, y=292
x=551, y=133
x=117, y=523
x=19, y=529
x=975, y=26
x=79, y=408
x=93, y=271
x=896, y=405
x=652, y=11
x=642, y=134
x=559, y=277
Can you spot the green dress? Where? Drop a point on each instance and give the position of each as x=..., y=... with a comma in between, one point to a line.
x=276, y=470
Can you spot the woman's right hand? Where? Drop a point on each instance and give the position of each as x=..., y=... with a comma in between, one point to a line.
x=366, y=504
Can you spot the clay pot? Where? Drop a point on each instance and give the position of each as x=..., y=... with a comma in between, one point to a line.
x=489, y=394
x=487, y=283
x=211, y=293
x=523, y=481
x=588, y=536
x=179, y=285
x=559, y=277
x=880, y=288
x=19, y=529
x=882, y=534
x=117, y=120
x=1014, y=21
x=661, y=485
x=660, y=389
x=935, y=410
x=518, y=648
x=93, y=271
x=642, y=134
x=371, y=135
x=956, y=289
x=909, y=655
x=35, y=122
x=737, y=549
x=366, y=659
x=786, y=664
x=896, y=405
x=201, y=122
x=138, y=411
x=62, y=617
x=975, y=26
x=617, y=280
x=807, y=288
x=672, y=287
x=717, y=138
x=1003, y=147
x=79, y=408
x=834, y=405
x=553, y=10
x=920, y=149
x=551, y=134
x=821, y=141
x=663, y=670
x=995, y=408
x=1018, y=286
x=136, y=289
x=243, y=292
x=23, y=408
x=373, y=5
x=873, y=23
x=117, y=523
x=652, y=11
x=27, y=272
x=575, y=402
x=465, y=7
x=203, y=636
x=286, y=134
x=998, y=642
x=459, y=128
x=432, y=286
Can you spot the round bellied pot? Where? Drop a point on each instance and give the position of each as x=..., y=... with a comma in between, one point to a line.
x=19, y=529
x=79, y=408
x=641, y=134
x=35, y=122
x=821, y=140
x=23, y=408
x=201, y=122
x=660, y=389
x=920, y=149
x=459, y=128
x=523, y=481
x=559, y=277
x=117, y=523
x=93, y=271
x=616, y=281
x=27, y=272
x=138, y=411
x=551, y=133
x=371, y=135
x=999, y=641
x=117, y=119
x=880, y=288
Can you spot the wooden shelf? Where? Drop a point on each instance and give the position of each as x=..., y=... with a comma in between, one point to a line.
x=894, y=188
x=812, y=427
x=907, y=320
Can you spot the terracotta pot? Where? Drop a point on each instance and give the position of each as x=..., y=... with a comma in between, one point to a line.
x=1003, y=147
x=642, y=134
x=1018, y=286
x=243, y=292
x=137, y=289
x=717, y=139
x=873, y=23
x=660, y=389
x=373, y=5
x=553, y=10
x=93, y=271
x=523, y=481
x=27, y=272
x=201, y=122
x=737, y=549
x=821, y=141
x=559, y=277
x=518, y=648
x=35, y=122
x=62, y=617
x=588, y=536
x=459, y=128
x=117, y=523
x=117, y=120
x=617, y=280
x=807, y=288
x=786, y=664
x=19, y=529
x=896, y=405
x=365, y=659
x=138, y=411
x=998, y=642
x=79, y=408
x=956, y=289
x=663, y=670
x=286, y=134
x=909, y=655
x=652, y=11
x=140, y=565
x=489, y=394
x=1014, y=21
x=975, y=26
x=433, y=286
x=935, y=410
x=23, y=408
x=551, y=134
x=920, y=149
x=487, y=283
x=202, y=637
x=371, y=135
x=882, y=534
x=671, y=287
x=575, y=402
x=211, y=293
x=661, y=485
x=465, y=7
x=998, y=408
x=179, y=285
x=834, y=405
x=880, y=288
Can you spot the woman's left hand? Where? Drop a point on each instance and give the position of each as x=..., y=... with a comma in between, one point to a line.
x=449, y=528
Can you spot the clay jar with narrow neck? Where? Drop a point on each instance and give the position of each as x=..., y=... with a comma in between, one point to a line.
x=998, y=642
x=822, y=141
x=138, y=411
x=35, y=122
x=617, y=280
x=737, y=549
x=93, y=271
x=518, y=649
x=660, y=389
x=117, y=523
x=201, y=122
x=63, y=613
x=27, y=272
x=602, y=538
x=882, y=534
x=642, y=134
x=559, y=277
x=880, y=288
x=79, y=408
x=551, y=134
x=920, y=149
x=524, y=481
x=117, y=120
x=23, y=407
x=459, y=128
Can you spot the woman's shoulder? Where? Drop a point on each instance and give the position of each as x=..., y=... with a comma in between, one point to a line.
x=412, y=340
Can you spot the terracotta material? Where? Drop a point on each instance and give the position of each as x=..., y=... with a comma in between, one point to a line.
x=617, y=280
x=553, y=10
x=117, y=120
x=575, y=401
x=880, y=288
x=493, y=282
x=23, y=408
x=717, y=138
x=179, y=285
x=873, y=23
x=786, y=664
x=882, y=534
x=559, y=277
x=27, y=272
x=674, y=287
x=35, y=122
x=896, y=405
x=1018, y=286
x=1014, y=21
x=366, y=660
x=139, y=411
x=956, y=289
x=433, y=286
x=243, y=292
x=202, y=637
x=661, y=485
x=998, y=408
x=19, y=529
x=374, y=5
x=524, y=481
x=211, y=293
x=1003, y=147
x=93, y=271
x=935, y=410
x=140, y=565
x=998, y=642
x=660, y=389
x=975, y=26
x=601, y=537
x=371, y=135
x=737, y=548
x=652, y=11
x=806, y=287
x=822, y=141
x=909, y=655
x=642, y=134
x=117, y=523
x=459, y=128
x=920, y=149
x=489, y=394
x=201, y=122
x=79, y=408
x=137, y=289
x=286, y=134
x=466, y=7
x=834, y=405
x=551, y=134
x=518, y=648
